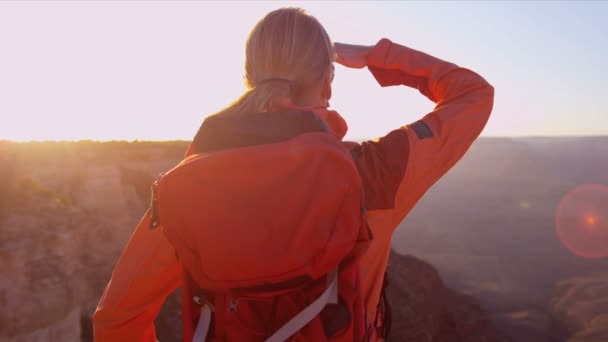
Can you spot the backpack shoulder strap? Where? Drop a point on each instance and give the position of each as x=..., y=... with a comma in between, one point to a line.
x=384, y=314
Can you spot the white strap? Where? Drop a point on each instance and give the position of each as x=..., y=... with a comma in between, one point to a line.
x=202, y=327
x=330, y=296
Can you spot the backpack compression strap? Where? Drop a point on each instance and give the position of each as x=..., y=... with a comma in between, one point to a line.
x=202, y=327
x=329, y=296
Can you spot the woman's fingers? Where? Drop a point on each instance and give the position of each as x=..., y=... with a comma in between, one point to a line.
x=341, y=60
x=352, y=56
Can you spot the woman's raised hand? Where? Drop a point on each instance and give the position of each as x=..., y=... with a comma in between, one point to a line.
x=352, y=56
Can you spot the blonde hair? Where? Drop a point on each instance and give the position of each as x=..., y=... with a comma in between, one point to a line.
x=287, y=53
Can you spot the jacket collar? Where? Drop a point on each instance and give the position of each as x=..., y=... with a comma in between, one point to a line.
x=219, y=132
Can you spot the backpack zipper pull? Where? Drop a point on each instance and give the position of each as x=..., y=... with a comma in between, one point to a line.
x=232, y=307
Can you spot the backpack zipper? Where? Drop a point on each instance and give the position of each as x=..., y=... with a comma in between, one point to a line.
x=154, y=219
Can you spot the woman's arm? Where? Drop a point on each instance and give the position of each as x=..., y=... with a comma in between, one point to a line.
x=147, y=272
x=400, y=167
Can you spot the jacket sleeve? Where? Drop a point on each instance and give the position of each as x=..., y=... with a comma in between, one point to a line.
x=400, y=167
x=147, y=272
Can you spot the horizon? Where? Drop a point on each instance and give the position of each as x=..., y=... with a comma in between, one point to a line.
x=483, y=137
x=150, y=76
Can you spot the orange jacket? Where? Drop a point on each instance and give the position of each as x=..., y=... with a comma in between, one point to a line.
x=396, y=171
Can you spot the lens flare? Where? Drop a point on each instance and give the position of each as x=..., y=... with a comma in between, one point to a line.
x=581, y=221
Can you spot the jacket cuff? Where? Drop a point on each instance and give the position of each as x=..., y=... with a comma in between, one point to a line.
x=377, y=57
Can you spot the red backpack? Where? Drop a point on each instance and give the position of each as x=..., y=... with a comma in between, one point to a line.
x=269, y=238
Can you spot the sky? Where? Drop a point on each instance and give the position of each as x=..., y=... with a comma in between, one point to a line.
x=152, y=70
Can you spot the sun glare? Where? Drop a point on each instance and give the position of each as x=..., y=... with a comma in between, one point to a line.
x=581, y=221
x=591, y=220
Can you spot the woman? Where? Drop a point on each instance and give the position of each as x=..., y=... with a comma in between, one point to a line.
x=288, y=73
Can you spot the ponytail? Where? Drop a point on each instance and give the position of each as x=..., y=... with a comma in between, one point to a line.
x=260, y=97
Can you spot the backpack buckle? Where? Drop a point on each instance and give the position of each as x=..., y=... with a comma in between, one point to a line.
x=202, y=301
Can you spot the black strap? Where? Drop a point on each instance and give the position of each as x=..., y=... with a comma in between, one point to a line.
x=384, y=309
x=422, y=130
